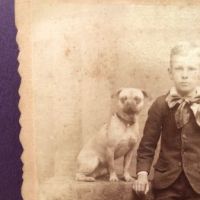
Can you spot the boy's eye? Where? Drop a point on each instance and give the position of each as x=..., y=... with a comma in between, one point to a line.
x=192, y=68
x=178, y=68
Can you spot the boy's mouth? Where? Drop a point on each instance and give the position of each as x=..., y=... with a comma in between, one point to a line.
x=184, y=83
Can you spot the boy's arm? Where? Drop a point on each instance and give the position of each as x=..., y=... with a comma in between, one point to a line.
x=148, y=144
x=142, y=172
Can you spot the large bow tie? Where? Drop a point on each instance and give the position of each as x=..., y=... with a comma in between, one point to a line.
x=182, y=114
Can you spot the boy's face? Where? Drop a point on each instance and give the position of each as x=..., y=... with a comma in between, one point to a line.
x=185, y=72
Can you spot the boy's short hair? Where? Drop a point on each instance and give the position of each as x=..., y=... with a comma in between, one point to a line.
x=183, y=48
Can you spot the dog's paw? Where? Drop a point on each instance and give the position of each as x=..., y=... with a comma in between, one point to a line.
x=90, y=179
x=113, y=177
x=81, y=177
x=128, y=178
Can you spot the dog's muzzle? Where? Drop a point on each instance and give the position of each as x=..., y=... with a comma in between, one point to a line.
x=128, y=109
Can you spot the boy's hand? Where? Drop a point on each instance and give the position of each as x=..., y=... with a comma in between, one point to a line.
x=141, y=185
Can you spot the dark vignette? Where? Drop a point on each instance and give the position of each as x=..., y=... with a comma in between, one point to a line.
x=10, y=147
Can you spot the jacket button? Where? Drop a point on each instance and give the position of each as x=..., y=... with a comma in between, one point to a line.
x=184, y=136
x=179, y=164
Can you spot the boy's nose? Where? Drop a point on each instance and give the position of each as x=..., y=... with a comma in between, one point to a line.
x=185, y=74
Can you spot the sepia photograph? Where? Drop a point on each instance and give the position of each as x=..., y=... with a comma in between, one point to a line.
x=110, y=99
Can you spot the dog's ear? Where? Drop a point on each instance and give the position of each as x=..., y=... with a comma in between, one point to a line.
x=145, y=94
x=116, y=94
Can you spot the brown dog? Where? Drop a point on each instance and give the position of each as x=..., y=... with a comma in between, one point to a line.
x=114, y=140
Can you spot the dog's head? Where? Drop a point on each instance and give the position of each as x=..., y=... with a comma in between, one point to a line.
x=130, y=100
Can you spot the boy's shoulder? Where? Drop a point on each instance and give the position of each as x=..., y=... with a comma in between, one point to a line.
x=161, y=99
x=160, y=102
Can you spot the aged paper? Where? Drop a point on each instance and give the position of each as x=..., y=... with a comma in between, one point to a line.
x=73, y=56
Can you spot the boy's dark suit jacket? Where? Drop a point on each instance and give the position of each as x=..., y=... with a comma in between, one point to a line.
x=180, y=148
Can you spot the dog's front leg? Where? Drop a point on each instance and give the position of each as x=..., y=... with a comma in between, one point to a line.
x=110, y=161
x=127, y=162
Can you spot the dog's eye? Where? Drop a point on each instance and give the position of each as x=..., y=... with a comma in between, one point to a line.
x=123, y=99
x=137, y=99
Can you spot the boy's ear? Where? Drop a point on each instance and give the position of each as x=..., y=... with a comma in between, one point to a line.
x=199, y=74
x=116, y=94
x=170, y=72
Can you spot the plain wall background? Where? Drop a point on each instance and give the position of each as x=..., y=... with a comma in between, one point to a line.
x=81, y=53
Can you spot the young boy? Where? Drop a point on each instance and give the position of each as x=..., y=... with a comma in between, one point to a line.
x=175, y=117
